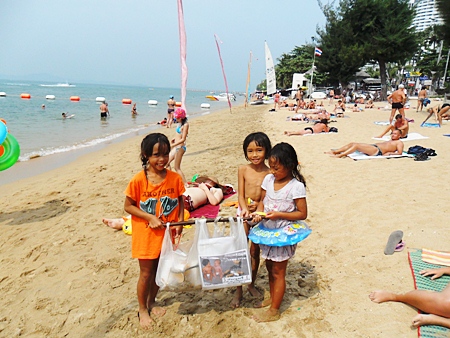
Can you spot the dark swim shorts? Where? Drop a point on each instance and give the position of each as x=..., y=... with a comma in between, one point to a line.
x=102, y=114
x=397, y=105
x=309, y=128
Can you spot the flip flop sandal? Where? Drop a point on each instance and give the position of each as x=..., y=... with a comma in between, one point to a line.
x=400, y=246
x=394, y=239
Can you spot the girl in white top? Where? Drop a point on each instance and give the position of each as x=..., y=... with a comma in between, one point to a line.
x=283, y=201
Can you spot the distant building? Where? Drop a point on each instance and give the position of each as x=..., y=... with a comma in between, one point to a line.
x=427, y=14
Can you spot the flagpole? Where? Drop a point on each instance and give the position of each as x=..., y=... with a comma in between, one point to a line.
x=248, y=80
x=312, y=72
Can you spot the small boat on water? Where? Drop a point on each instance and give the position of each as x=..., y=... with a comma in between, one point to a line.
x=221, y=97
x=58, y=85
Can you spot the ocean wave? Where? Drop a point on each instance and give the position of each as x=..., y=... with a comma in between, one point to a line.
x=86, y=144
x=18, y=84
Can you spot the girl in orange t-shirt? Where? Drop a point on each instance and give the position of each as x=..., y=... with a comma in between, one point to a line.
x=154, y=196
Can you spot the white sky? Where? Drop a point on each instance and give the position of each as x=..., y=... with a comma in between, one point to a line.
x=135, y=42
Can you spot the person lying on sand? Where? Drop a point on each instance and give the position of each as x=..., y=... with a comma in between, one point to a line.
x=435, y=304
x=319, y=127
x=401, y=124
x=392, y=147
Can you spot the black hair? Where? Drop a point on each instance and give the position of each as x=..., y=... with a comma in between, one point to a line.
x=205, y=262
x=261, y=140
x=398, y=116
x=285, y=154
x=149, y=142
x=183, y=121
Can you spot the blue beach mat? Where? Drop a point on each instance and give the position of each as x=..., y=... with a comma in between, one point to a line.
x=430, y=125
x=425, y=283
x=448, y=135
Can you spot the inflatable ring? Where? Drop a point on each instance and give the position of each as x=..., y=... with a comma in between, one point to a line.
x=3, y=132
x=126, y=227
x=291, y=234
x=11, y=152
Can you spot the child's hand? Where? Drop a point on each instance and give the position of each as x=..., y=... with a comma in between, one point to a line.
x=155, y=223
x=273, y=215
x=256, y=218
x=177, y=231
x=244, y=213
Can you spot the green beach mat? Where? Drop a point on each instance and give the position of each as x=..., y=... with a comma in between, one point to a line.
x=425, y=283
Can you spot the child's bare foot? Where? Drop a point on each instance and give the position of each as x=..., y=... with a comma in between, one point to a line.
x=115, y=223
x=144, y=319
x=381, y=296
x=237, y=298
x=254, y=291
x=157, y=311
x=264, y=303
x=262, y=316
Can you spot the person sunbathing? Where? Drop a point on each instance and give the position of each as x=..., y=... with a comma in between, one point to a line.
x=339, y=109
x=400, y=123
x=435, y=304
x=319, y=127
x=369, y=104
x=392, y=147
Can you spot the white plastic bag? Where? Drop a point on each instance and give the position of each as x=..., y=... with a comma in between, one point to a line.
x=178, y=268
x=224, y=260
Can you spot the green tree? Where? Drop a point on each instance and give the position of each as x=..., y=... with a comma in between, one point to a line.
x=382, y=31
x=341, y=58
x=444, y=10
x=299, y=60
x=363, y=31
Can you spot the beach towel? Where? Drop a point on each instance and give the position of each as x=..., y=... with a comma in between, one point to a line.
x=331, y=133
x=360, y=156
x=382, y=123
x=436, y=257
x=425, y=283
x=430, y=125
x=410, y=137
x=448, y=135
x=208, y=210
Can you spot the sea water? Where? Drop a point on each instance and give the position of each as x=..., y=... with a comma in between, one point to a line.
x=43, y=132
x=47, y=141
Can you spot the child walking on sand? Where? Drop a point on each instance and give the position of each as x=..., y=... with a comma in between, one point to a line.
x=250, y=176
x=179, y=142
x=283, y=201
x=153, y=197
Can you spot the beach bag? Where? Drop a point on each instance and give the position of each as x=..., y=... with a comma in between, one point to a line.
x=415, y=150
x=333, y=130
x=178, y=268
x=224, y=259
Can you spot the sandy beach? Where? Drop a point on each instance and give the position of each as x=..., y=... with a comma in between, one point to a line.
x=64, y=273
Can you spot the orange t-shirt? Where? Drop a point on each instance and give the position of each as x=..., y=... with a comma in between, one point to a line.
x=160, y=200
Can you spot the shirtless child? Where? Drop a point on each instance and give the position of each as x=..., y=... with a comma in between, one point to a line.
x=250, y=176
x=392, y=147
x=207, y=270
